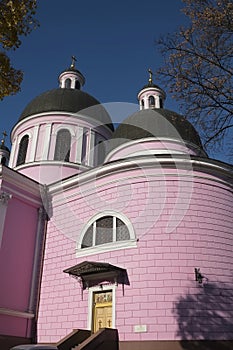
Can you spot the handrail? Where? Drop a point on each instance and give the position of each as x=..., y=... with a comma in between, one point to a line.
x=76, y=337
x=104, y=339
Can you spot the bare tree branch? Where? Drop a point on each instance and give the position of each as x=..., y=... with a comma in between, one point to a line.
x=198, y=67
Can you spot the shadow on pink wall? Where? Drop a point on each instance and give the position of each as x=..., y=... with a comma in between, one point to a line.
x=206, y=315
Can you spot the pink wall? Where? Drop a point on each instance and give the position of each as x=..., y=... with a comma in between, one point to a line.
x=182, y=222
x=153, y=146
x=49, y=172
x=18, y=326
x=17, y=252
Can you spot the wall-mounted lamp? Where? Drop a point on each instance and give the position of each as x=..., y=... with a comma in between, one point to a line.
x=198, y=276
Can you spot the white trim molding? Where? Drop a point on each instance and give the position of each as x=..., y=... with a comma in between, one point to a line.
x=213, y=170
x=185, y=148
x=15, y=313
x=107, y=247
x=4, y=198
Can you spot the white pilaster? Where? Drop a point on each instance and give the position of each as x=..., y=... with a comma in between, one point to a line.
x=4, y=198
x=146, y=102
x=47, y=137
x=79, y=142
x=88, y=143
x=34, y=143
x=91, y=148
x=13, y=151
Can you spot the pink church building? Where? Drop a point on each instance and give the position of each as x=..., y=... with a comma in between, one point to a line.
x=127, y=228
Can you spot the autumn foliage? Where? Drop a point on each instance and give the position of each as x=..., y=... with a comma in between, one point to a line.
x=16, y=20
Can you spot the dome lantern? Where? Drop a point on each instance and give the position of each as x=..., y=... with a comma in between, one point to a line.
x=59, y=130
x=151, y=95
x=4, y=151
x=71, y=78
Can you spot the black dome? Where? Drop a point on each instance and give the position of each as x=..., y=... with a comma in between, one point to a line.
x=149, y=85
x=4, y=148
x=67, y=100
x=156, y=122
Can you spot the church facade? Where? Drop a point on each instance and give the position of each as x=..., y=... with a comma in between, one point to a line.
x=127, y=228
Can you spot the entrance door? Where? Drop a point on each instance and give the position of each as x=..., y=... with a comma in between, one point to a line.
x=102, y=310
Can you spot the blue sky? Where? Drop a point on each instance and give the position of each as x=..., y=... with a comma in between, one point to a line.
x=114, y=43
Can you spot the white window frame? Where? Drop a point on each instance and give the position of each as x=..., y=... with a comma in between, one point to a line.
x=27, y=158
x=106, y=247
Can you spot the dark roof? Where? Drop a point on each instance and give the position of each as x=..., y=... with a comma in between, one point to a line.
x=93, y=273
x=68, y=100
x=149, y=85
x=156, y=122
x=4, y=148
x=89, y=267
x=72, y=69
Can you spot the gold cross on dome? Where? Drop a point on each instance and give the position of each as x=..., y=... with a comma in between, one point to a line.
x=74, y=59
x=150, y=75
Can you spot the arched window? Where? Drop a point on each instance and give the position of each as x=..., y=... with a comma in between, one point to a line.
x=23, y=146
x=77, y=84
x=99, y=153
x=107, y=229
x=142, y=104
x=62, y=149
x=160, y=102
x=68, y=83
x=151, y=101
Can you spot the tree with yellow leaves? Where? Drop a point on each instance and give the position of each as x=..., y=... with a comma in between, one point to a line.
x=198, y=67
x=16, y=20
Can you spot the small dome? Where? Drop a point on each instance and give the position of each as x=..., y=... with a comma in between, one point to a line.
x=156, y=122
x=3, y=147
x=151, y=85
x=72, y=69
x=67, y=100
x=2, y=144
x=76, y=74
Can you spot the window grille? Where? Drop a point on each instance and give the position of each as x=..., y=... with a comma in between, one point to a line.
x=106, y=229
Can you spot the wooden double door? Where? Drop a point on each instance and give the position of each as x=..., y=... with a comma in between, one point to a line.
x=102, y=310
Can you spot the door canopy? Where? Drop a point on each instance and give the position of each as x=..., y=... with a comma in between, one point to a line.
x=91, y=274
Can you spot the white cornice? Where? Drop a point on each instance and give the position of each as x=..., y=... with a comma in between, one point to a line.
x=222, y=172
x=95, y=123
x=129, y=143
x=15, y=313
x=152, y=88
x=53, y=163
x=20, y=183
